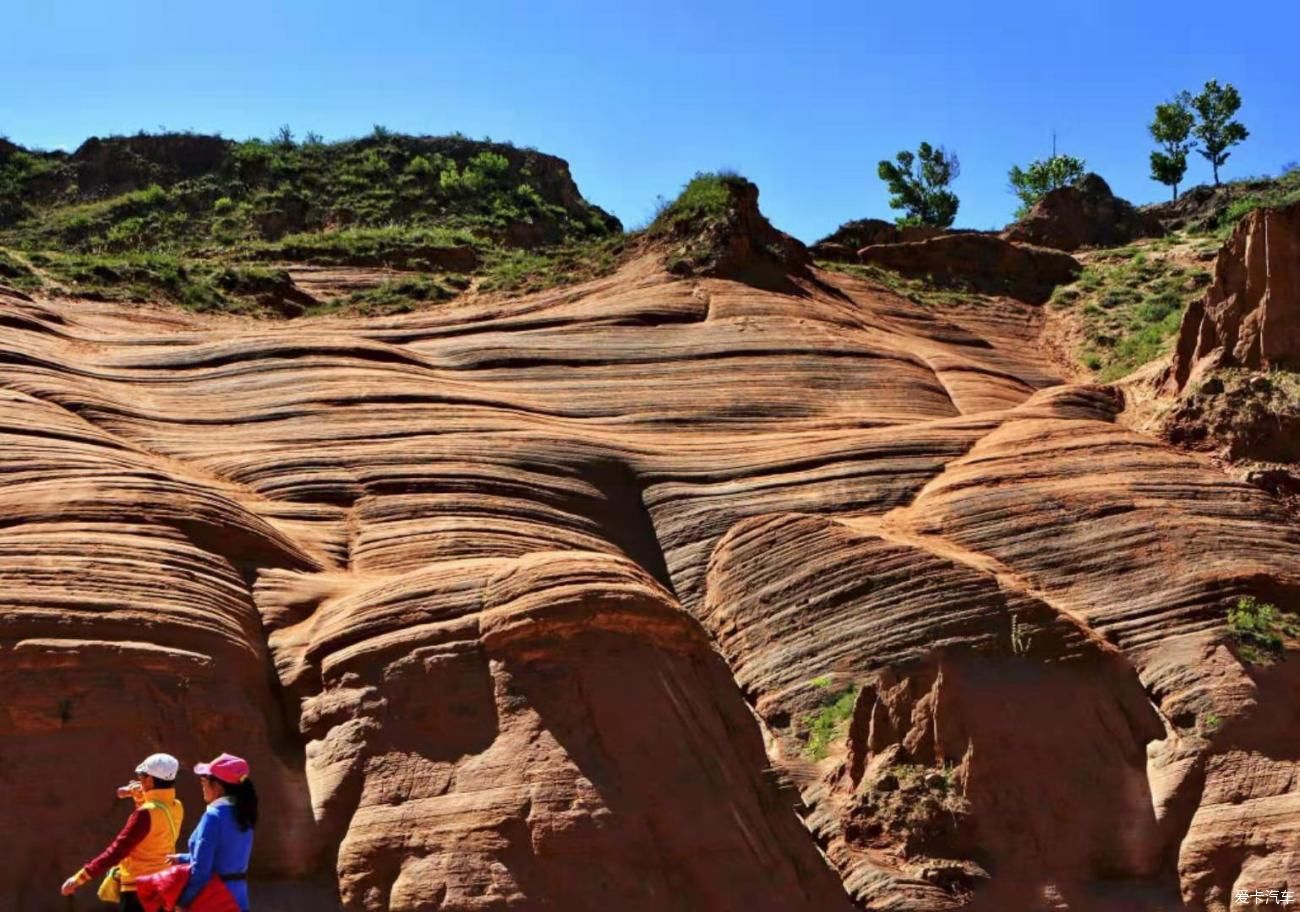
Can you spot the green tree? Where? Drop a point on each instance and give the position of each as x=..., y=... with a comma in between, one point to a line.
x=918, y=184
x=1171, y=128
x=1041, y=177
x=1216, y=106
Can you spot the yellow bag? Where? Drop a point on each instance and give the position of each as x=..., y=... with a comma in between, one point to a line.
x=110, y=891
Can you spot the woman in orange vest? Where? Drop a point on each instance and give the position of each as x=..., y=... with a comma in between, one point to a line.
x=147, y=839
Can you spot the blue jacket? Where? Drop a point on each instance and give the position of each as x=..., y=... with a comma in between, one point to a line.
x=218, y=846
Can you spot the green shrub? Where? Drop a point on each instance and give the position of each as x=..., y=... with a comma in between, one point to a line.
x=829, y=722
x=1260, y=629
x=490, y=163
x=127, y=234
x=419, y=166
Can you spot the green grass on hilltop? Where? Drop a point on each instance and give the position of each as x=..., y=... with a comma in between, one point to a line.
x=708, y=196
x=1284, y=191
x=136, y=218
x=259, y=191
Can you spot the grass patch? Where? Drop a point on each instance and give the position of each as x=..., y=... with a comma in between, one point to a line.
x=529, y=271
x=1260, y=629
x=1131, y=304
x=829, y=723
x=402, y=295
x=139, y=277
x=927, y=292
x=394, y=246
x=17, y=274
x=1284, y=191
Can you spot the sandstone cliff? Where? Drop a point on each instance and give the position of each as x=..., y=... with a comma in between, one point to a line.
x=1250, y=316
x=537, y=602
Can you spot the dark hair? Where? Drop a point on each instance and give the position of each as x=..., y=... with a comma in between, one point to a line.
x=163, y=783
x=245, y=798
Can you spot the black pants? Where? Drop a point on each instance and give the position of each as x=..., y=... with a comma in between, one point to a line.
x=130, y=902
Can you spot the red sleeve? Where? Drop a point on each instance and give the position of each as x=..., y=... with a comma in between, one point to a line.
x=136, y=829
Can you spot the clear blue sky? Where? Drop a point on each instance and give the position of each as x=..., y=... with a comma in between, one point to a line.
x=803, y=98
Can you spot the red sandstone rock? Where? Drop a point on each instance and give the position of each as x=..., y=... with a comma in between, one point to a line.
x=1250, y=316
x=980, y=261
x=527, y=604
x=1085, y=214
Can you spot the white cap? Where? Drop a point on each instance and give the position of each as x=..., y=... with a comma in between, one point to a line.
x=160, y=766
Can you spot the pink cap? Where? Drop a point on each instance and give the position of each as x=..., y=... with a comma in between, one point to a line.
x=228, y=768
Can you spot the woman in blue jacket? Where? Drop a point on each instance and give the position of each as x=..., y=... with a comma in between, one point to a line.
x=223, y=840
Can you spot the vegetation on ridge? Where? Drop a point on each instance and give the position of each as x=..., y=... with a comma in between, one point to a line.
x=178, y=192
x=1283, y=191
x=1130, y=303
x=149, y=216
x=709, y=196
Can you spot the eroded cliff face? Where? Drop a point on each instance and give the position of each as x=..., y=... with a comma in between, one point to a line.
x=529, y=604
x=1250, y=316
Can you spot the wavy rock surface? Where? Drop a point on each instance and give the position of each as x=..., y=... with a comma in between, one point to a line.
x=529, y=604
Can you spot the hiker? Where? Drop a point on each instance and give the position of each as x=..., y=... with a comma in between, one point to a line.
x=222, y=842
x=145, y=843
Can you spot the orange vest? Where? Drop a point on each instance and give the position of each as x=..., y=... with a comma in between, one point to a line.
x=150, y=855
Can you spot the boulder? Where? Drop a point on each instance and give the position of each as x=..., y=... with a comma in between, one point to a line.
x=983, y=262
x=1085, y=214
x=1250, y=316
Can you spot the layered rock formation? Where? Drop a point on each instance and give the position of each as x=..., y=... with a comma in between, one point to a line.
x=537, y=603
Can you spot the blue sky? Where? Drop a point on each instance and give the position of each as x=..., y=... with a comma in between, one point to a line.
x=802, y=98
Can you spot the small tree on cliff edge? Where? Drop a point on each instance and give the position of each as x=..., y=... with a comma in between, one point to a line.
x=1171, y=128
x=1216, y=106
x=1041, y=177
x=919, y=185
